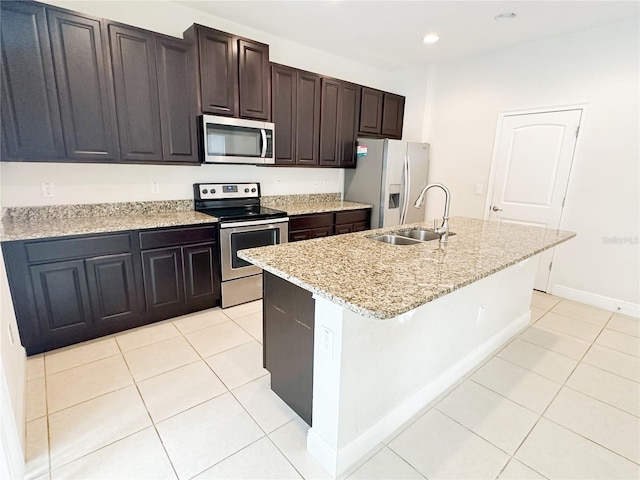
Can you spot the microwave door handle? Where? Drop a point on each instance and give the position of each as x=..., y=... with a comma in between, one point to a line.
x=263, y=134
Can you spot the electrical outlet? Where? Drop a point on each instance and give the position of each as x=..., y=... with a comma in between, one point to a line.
x=326, y=341
x=155, y=188
x=278, y=186
x=481, y=314
x=47, y=189
x=316, y=186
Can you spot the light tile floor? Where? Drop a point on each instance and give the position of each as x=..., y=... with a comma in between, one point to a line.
x=188, y=398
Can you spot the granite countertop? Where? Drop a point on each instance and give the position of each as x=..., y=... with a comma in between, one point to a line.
x=305, y=204
x=320, y=207
x=382, y=281
x=31, y=229
x=25, y=223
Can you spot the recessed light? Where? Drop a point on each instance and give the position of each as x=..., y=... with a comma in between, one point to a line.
x=431, y=38
x=505, y=16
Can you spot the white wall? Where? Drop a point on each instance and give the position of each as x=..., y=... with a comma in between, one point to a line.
x=74, y=183
x=599, y=68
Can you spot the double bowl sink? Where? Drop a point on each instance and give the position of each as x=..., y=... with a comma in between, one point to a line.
x=409, y=237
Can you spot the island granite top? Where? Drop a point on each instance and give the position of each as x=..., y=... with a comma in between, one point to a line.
x=381, y=281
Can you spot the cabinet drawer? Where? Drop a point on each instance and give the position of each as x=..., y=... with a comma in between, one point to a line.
x=352, y=216
x=177, y=236
x=311, y=221
x=81, y=247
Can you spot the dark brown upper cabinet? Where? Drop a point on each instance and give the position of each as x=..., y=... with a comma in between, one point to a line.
x=338, y=123
x=253, y=78
x=371, y=111
x=296, y=112
x=175, y=60
x=234, y=75
x=392, y=116
x=31, y=124
x=85, y=89
x=381, y=114
x=133, y=55
x=153, y=77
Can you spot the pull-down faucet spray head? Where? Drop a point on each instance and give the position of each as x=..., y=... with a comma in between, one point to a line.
x=444, y=228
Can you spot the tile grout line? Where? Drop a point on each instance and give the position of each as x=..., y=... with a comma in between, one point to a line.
x=554, y=398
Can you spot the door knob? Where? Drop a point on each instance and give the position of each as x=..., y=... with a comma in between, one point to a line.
x=496, y=209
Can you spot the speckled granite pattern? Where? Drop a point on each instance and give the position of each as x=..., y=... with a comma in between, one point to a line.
x=36, y=228
x=276, y=201
x=92, y=210
x=310, y=203
x=307, y=208
x=382, y=281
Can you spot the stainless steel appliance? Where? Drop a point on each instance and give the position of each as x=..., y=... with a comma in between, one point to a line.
x=236, y=140
x=243, y=223
x=389, y=175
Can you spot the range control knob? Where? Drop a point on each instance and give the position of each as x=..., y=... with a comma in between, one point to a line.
x=253, y=190
x=246, y=190
x=213, y=190
x=205, y=191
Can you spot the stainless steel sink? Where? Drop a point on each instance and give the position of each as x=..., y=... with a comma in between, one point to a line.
x=422, y=235
x=395, y=240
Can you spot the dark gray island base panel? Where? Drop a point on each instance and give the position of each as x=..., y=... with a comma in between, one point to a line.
x=288, y=322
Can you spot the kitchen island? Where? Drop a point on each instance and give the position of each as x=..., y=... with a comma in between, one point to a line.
x=392, y=326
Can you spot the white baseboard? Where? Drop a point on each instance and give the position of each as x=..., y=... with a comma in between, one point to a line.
x=595, y=300
x=338, y=462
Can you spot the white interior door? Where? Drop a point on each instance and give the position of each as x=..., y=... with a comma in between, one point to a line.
x=532, y=168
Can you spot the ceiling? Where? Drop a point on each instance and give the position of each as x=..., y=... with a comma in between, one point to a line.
x=388, y=34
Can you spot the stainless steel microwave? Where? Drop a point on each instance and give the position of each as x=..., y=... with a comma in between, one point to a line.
x=236, y=140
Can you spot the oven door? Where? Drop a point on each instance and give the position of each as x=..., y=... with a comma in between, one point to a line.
x=235, y=236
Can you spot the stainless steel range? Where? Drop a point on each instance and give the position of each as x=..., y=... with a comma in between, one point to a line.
x=243, y=223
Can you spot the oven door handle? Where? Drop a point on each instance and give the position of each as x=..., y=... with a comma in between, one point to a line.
x=255, y=222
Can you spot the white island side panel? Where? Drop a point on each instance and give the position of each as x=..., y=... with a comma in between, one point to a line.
x=371, y=376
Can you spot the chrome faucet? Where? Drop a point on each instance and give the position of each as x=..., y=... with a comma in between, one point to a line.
x=443, y=229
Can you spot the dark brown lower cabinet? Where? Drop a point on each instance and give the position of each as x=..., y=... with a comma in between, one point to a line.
x=352, y=221
x=179, y=280
x=71, y=289
x=306, y=227
x=62, y=299
x=288, y=323
x=112, y=288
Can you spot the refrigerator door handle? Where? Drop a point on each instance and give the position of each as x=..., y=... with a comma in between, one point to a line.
x=407, y=180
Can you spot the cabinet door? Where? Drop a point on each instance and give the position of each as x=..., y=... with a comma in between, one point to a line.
x=62, y=300
x=284, y=88
x=176, y=90
x=163, y=279
x=329, y=123
x=392, y=115
x=254, y=80
x=348, y=128
x=199, y=272
x=307, y=118
x=371, y=111
x=31, y=126
x=218, y=72
x=113, y=291
x=136, y=86
x=85, y=90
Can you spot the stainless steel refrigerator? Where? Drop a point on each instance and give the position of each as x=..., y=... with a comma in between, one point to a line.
x=389, y=175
